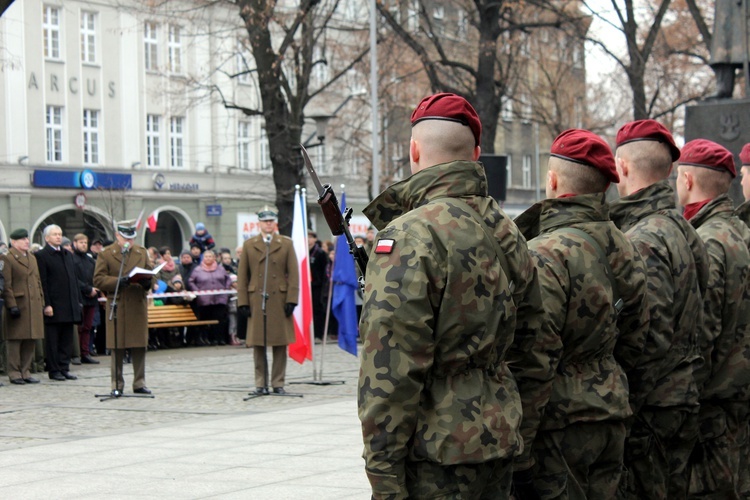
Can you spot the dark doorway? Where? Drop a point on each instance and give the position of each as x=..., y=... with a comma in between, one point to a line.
x=72, y=222
x=168, y=234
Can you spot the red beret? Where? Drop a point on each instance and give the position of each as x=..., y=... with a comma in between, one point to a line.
x=745, y=154
x=707, y=154
x=647, y=130
x=451, y=107
x=586, y=148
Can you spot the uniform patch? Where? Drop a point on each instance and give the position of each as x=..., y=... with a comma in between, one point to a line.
x=385, y=246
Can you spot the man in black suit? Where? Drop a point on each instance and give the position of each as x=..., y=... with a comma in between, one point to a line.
x=62, y=302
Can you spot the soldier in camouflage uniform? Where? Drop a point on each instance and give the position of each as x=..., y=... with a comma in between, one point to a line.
x=743, y=212
x=663, y=392
x=448, y=281
x=594, y=289
x=704, y=175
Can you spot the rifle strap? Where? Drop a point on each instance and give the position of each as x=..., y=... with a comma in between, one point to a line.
x=617, y=301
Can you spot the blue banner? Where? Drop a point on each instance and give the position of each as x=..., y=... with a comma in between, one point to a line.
x=81, y=179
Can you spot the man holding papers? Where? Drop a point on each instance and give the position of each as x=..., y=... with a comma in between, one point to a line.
x=130, y=329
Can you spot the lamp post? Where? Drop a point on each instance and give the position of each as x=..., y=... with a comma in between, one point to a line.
x=321, y=123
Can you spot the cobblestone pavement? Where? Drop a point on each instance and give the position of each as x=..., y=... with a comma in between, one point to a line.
x=190, y=384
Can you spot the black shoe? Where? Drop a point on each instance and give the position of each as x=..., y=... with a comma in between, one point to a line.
x=263, y=391
x=17, y=381
x=142, y=390
x=31, y=380
x=56, y=376
x=69, y=376
x=88, y=360
x=279, y=390
x=75, y=361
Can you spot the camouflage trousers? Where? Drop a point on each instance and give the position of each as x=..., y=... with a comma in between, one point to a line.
x=657, y=450
x=581, y=461
x=490, y=480
x=721, y=452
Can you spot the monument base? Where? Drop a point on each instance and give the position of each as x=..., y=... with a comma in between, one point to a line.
x=724, y=121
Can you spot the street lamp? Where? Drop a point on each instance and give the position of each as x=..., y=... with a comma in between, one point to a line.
x=321, y=123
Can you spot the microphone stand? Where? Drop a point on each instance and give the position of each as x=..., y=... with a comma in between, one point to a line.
x=264, y=299
x=115, y=394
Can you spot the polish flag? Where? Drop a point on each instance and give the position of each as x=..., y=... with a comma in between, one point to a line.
x=302, y=347
x=151, y=221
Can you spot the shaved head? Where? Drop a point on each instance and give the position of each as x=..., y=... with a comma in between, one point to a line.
x=651, y=160
x=576, y=178
x=441, y=141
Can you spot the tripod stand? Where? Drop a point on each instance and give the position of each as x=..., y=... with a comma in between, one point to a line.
x=116, y=394
x=264, y=299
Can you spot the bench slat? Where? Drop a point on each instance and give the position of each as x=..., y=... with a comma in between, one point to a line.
x=174, y=315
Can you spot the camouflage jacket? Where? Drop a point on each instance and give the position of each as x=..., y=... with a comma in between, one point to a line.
x=677, y=273
x=743, y=213
x=598, y=344
x=726, y=345
x=438, y=320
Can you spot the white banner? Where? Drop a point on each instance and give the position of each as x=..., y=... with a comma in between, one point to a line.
x=247, y=227
x=358, y=225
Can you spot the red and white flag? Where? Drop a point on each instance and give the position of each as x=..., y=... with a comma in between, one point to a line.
x=151, y=221
x=303, y=313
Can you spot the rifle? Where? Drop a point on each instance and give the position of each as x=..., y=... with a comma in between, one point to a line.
x=337, y=221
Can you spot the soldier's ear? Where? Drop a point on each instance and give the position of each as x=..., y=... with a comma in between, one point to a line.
x=689, y=181
x=414, y=150
x=622, y=166
x=552, y=180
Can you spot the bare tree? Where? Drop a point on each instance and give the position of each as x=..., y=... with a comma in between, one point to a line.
x=479, y=57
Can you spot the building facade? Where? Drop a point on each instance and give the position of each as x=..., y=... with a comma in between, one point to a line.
x=102, y=119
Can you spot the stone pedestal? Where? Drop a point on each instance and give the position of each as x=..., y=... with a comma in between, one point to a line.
x=726, y=122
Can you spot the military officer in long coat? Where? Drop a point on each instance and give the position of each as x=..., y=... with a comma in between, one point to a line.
x=129, y=327
x=24, y=301
x=274, y=253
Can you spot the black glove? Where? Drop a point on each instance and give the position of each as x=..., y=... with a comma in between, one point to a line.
x=523, y=486
x=244, y=310
x=124, y=281
x=289, y=309
x=146, y=284
x=15, y=312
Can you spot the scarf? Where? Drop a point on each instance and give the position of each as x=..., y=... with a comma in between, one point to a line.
x=210, y=268
x=169, y=266
x=693, y=208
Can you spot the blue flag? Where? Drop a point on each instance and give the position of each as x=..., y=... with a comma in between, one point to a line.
x=344, y=289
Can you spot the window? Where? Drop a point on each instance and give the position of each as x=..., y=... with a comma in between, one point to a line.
x=176, y=141
x=462, y=24
x=54, y=134
x=152, y=141
x=525, y=108
x=51, y=28
x=509, y=170
x=438, y=14
x=578, y=112
x=88, y=37
x=526, y=171
x=320, y=72
x=506, y=110
x=243, y=70
x=265, y=153
x=412, y=16
x=243, y=145
x=175, y=49
x=90, y=137
x=151, y=44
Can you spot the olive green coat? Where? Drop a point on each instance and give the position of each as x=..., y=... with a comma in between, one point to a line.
x=282, y=287
x=132, y=307
x=23, y=289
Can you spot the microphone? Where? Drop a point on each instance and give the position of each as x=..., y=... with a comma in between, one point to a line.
x=126, y=247
x=267, y=239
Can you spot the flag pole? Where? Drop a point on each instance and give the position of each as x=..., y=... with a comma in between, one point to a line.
x=318, y=374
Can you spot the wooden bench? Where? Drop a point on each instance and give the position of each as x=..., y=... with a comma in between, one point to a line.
x=174, y=315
